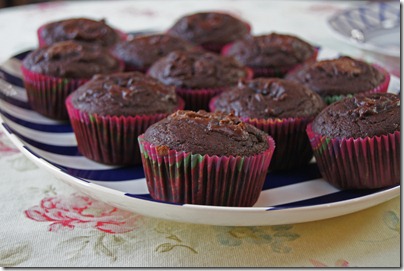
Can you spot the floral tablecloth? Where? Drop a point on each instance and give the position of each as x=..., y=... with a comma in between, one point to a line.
x=46, y=223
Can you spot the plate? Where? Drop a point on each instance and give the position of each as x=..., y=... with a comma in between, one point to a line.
x=372, y=26
x=287, y=197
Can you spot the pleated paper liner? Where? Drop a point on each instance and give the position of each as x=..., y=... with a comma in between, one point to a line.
x=216, y=47
x=42, y=43
x=110, y=139
x=47, y=94
x=186, y=178
x=293, y=148
x=361, y=163
x=279, y=72
x=198, y=99
x=383, y=87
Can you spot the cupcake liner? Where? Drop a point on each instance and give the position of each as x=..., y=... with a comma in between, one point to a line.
x=186, y=178
x=198, y=99
x=361, y=163
x=47, y=94
x=42, y=42
x=110, y=139
x=383, y=87
x=217, y=47
x=262, y=71
x=293, y=148
x=133, y=68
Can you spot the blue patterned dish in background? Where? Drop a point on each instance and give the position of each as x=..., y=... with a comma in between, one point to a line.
x=374, y=26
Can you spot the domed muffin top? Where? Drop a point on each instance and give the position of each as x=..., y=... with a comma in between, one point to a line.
x=271, y=50
x=124, y=94
x=79, y=29
x=196, y=70
x=208, y=27
x=207, y=133
x=340, y=76
x=142, y=51
x=270, y=98
x=71, y=59
x=364, y=115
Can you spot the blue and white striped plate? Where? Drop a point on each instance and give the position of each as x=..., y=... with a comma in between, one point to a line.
x=287, y=197
x=372, y=26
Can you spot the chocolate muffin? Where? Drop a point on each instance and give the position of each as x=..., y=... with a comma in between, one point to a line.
x=334, y=79
x=280, y=108
x=211, y=30
x=205, y=158
x=200, y=132
x=71, y=59
x=109, y=112
x=79, y=29
x=140, y=52
x=198, y=76
x=51, y=73
x=356, y=141
x=271, y=55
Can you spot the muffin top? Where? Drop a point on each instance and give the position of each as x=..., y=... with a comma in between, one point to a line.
x=209, y=27
x=271, y=50
x=196, y=70
x=71, y=59
x=142, y=51
x=266, y=98
x=207, y=133
x=371, y=114
x=80, y=29
x=339, y=76
x=124, y=94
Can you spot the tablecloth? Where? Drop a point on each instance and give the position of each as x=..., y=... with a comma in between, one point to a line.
x=46, y=223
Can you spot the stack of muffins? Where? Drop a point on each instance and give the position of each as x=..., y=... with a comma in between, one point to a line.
x=145, y=99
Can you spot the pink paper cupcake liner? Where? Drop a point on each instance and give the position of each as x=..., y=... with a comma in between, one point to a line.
x=293, y=148
x=217, y=47
x=42, y=43
x=261, y=71
x=198, y=99
x=361, y=163
x=47, y=94
x=186, y=178
x=110, y=139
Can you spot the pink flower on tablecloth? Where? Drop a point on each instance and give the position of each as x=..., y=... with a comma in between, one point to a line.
x=84, y=212
x=338, y=263
x=6, y=147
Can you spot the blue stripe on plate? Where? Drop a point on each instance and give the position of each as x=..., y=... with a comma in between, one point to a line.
x=330, y=198
x=62, y=150
x=50, y=128
x=11, y=100
x=22, y=55
x=128, y=173
x=14, y=80
x=9, y=130
x=287, y=177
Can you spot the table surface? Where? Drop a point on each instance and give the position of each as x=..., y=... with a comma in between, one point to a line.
x=42, y=222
